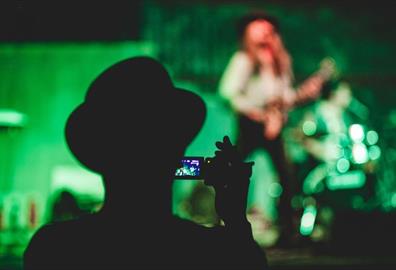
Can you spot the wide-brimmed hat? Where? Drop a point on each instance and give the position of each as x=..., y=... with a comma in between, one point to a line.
x=130, y=109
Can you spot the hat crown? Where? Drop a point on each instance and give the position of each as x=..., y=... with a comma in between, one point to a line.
x=132, y=108
x=133, y=79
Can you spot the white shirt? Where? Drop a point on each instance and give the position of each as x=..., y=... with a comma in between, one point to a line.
x=247, y=89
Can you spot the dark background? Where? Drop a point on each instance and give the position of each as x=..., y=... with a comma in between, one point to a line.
x=196, y=37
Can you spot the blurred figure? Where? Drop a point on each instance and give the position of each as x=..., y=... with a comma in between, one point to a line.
x=329, y=165
x=322, y=133
x=138, y=159
x=329, y=121
x=327, y=130
x=257, y=83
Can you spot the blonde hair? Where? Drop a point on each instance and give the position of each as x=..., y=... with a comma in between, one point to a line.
x=283, y=62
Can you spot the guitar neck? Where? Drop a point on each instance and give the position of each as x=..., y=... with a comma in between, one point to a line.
x=307, y=90
x=327, y=69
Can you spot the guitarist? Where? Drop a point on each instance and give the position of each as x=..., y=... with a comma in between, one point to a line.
x=257, y=83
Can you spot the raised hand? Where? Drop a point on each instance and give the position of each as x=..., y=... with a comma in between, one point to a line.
x=230, y=176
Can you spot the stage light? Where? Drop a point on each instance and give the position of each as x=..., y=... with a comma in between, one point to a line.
x=312, y=182
x=356, y=132
x=12, y=118
x=359, y=153
x=343, y=165
x=393, y=200
x=374, y=152
x=309, y=128
x=372, y=137
x=275, y=190
x=308, y=220
x=351, y=179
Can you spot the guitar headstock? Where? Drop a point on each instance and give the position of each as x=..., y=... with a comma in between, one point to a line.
x=327, y=68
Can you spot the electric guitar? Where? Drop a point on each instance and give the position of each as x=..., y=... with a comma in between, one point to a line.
x=275, y=112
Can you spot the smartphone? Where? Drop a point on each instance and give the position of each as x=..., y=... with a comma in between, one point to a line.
x=190, y=168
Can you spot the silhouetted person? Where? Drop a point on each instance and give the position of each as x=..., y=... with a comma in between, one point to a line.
x=128, y=130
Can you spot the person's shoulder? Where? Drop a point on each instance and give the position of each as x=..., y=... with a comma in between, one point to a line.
x=240, y=56
x=59, y=231
x=51, y=232
x=52, y=240
x=40, y=246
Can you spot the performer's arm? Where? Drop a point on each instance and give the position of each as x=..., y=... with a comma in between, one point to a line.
x=234, y=81
x=309, y=89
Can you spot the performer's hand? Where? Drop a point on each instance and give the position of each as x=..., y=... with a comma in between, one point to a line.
x=230, y=177
x=256, y=115
x=311, y=88
x=274, y=121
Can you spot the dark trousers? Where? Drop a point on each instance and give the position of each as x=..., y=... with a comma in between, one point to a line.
x=250, y=137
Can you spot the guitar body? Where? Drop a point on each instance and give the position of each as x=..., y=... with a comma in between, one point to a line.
x=274, y=118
